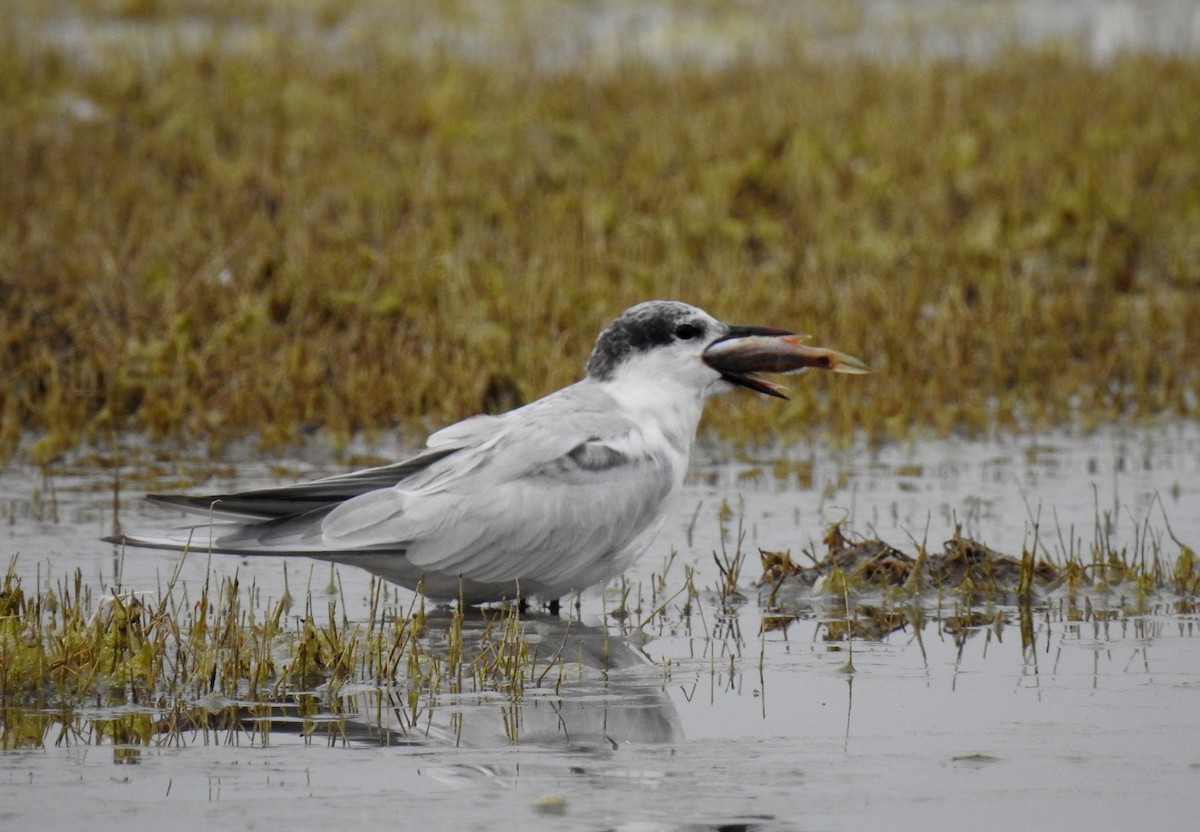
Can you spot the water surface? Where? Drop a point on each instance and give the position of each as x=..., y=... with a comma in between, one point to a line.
x=701, y=719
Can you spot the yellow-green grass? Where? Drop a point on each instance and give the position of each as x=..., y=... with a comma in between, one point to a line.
x=213, y=241
x=221, y=655
x=200, y=656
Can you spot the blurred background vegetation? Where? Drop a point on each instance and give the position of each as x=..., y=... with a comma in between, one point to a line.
x=250, y=218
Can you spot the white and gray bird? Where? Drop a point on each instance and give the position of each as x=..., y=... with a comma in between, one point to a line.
x=539, y=502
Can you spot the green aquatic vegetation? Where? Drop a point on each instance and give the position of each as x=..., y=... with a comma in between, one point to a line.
x=229, y=659
x=211, y=241
x=1186, y=576
x=729, y=564
x=219, y=657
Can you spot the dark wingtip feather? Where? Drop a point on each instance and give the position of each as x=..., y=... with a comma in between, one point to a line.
x=184, y=501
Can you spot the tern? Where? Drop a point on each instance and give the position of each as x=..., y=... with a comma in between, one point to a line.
x=540, y=502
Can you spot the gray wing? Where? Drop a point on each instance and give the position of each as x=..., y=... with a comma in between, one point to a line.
x=466, y=432
x=561, y=484
x=286, y=500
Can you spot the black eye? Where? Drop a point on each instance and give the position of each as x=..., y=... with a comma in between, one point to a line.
x=686, y=332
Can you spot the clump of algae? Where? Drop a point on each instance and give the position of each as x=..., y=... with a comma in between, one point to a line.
x=968, y=586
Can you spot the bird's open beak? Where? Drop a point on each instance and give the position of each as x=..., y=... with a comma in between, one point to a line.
x=747, y=350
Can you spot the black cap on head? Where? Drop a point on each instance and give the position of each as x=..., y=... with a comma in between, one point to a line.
x=654, y=323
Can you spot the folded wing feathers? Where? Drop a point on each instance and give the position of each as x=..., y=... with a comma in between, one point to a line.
x=538, y=526
x=284, y=500
x=487, y=501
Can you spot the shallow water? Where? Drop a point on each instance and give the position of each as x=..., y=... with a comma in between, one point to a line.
x=600, y=35
x=700, y=720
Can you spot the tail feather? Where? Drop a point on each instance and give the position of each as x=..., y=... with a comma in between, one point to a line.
x=283, y=536
x=187, y=538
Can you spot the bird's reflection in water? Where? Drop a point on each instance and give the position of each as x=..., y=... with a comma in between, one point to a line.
x=581, y=686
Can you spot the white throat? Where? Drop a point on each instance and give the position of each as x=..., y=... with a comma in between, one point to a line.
x=662, y=403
